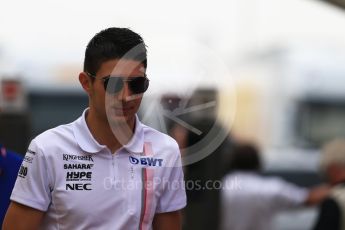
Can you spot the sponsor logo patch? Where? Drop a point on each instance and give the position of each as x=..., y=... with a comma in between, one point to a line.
x=146, y=161
x=69, y=157
x=78, y=187
x=23, y=171
x=28, y=159
x=77, y=166
x=78, y=176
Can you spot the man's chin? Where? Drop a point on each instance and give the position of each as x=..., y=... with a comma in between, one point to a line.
x=116, y=117
x=116, y=120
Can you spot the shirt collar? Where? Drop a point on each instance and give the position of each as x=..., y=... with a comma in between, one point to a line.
x=84, y=136
x=88, y=144
x=136, y=144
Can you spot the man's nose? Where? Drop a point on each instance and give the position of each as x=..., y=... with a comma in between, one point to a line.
x=125, y=93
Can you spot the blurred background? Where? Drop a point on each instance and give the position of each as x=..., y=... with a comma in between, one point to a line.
x=268, y=71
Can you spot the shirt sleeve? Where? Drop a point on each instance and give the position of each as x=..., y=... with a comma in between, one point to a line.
x=33, y=187
x=329, y=216
x=288, y=195
x=173, y=197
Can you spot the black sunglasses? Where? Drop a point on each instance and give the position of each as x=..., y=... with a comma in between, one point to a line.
x=113, y=85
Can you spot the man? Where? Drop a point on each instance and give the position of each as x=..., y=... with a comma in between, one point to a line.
x=332, y=211
x=106, y=170
x=250, y=201
x=9, y=166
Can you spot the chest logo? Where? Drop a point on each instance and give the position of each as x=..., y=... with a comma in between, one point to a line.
x=146, y=161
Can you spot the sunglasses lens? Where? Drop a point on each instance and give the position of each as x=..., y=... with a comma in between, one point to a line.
x=113, y=85
x=139, y=85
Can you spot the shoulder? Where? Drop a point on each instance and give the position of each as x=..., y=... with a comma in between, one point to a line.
x=276, y=186
x=158, y=138
x=54, y=137
x=281, y=186
x=275, y=181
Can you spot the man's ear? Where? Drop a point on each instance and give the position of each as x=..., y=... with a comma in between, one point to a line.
x=85, y=82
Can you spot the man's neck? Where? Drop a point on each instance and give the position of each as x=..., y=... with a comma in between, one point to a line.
x=114, y=136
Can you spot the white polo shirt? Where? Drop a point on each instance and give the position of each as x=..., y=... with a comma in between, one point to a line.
x=80, y=184
x=255, y=200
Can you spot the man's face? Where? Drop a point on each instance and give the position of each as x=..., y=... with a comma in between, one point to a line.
x=121, y=106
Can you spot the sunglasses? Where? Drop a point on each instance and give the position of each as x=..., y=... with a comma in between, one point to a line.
x=113, y=85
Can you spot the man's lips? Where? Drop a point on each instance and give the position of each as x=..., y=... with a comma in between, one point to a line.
x=122, y=109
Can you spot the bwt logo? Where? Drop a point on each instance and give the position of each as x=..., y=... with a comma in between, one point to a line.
x=146, y=161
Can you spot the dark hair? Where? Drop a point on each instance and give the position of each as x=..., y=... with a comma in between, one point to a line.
x=245, y=158
x=113, y=43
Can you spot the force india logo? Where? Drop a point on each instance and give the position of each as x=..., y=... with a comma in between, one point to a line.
x=146, y=161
